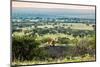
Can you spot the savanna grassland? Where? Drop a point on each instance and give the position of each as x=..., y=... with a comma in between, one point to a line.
x=56, y=42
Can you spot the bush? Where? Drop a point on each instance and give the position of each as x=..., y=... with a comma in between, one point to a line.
x=74, y=41
x=85, y=46
x=63, y=40
x=44, y=40
x=40, y=54
x=23, y=47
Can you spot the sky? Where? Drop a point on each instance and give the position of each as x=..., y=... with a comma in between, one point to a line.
x=45, y=5
x=45, y=9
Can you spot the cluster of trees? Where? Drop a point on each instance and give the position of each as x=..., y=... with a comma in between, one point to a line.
x=27, y=47
x=68, y=31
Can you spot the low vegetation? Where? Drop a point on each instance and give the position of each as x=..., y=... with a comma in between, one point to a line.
x=53, y=45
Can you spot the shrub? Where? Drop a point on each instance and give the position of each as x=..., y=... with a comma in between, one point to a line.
x=74, y=41
x=40, y=54
x=23, y=47
x=63, y=40
x=85, y=46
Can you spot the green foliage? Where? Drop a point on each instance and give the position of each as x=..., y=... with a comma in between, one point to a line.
x=23, y=47
x=44, y=40
x=79, y=43
x=40, y=54
x=74, y=41
x=36, y=36
x=85, y=46
x=63, y=40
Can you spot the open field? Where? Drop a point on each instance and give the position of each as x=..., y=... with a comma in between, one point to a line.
x=80, y=26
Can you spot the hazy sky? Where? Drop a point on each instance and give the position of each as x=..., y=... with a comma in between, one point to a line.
x=45, y=5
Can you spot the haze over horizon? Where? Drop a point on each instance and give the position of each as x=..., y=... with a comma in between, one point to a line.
x=24, y=9
x=51, y=12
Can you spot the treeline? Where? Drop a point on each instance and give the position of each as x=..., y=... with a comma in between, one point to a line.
x=56, y=30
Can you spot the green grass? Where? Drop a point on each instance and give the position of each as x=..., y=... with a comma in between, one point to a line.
x=79, y=26
x=60, y=60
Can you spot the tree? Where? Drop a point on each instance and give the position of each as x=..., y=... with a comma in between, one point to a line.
x=94, y=27
x=87, y=24
x=23, y=47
